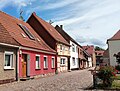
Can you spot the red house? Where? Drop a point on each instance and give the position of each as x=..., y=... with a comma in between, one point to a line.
x=91, y=50
x=33, y=56
x=54, y=39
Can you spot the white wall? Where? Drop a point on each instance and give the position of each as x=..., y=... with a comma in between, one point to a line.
x=114, y=48
x=75, y=55
x=89, y=62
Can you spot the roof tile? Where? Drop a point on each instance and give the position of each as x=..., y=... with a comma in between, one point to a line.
x=11, y=26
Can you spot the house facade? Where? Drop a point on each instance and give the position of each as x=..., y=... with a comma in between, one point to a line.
x=87, y=60
x=25, y=54
x=99, y=57
x=81, y=58
x=74, y=61
x=34, y=63
x=114, y=48
x=90, y=49
x=53, y=39
x=106, y=61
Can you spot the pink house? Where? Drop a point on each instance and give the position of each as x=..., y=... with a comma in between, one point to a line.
x=33, y=57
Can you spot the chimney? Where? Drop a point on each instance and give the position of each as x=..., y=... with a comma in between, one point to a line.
x=61, y=26
x=34, y=13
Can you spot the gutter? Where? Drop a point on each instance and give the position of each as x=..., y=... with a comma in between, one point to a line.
x=37, y=50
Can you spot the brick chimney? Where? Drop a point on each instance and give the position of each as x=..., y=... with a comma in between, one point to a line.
x=61, y=26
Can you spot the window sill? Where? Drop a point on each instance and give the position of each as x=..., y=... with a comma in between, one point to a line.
x=45, y=68
x=62, y=65
x=53, y=68
x=37, y=69
x=8, y=68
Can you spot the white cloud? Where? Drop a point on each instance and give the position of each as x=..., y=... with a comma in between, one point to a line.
x=17, y=3
x=85, y=20
x=97, y=20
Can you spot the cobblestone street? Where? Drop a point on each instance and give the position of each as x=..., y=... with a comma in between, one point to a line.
x=70, y=81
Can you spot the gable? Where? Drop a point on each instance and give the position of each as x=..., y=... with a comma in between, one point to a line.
x=50, y=29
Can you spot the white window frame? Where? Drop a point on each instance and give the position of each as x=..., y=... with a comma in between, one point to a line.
x=73, y=48
x=63, y=61
x=11, y=60
x=53, y=66
x=37, y=66
x=47, y=62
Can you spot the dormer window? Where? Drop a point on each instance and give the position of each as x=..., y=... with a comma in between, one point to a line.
x=27, y=32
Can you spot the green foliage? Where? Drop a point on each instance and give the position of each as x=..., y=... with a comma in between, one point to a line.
x=116, y=84
x=99, y=48
x=117, y=67
x=106, y=73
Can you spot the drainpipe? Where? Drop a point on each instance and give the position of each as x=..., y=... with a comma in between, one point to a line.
x=17, y=64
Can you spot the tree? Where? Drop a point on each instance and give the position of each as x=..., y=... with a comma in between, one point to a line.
x=99, y=48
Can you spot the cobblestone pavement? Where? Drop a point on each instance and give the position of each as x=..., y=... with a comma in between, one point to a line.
x=70, y=81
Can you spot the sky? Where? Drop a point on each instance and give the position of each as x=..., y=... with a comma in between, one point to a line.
x=89, y=22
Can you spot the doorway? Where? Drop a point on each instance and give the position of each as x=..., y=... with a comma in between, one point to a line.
x=24, y=65
x=68, y=63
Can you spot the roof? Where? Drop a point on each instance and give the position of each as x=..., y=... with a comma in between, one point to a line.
x=106, y=53
x=116, y=36
x=10, y=25
x=65, y=35
x=50, y=29
x=89, y=49
x=5, y=37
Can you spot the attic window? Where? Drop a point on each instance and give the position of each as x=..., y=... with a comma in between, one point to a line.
x=26, y=30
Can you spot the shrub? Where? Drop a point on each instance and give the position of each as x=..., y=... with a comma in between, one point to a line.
x=117, y=67
x=106, y=73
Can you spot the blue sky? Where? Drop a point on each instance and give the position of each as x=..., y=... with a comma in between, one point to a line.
x=87, y=21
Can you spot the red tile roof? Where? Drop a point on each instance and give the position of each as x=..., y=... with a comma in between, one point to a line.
x=106, y=53
x=116, y=36
x=5, y=37
x=51, y=30
x=90, y=49
x=11, y=26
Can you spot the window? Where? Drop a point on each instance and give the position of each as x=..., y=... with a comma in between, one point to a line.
x=53, y=62
x=73, y=60
x=80, y=51
x=37, y=61
x=63, y=48
x=76, y=49
x=60, y=47
x=8, y=60
x=62, y=61
x=73, y=47
x=26, y=30
x=45, y=62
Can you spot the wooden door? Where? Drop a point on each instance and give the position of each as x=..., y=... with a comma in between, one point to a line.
x=24, y=65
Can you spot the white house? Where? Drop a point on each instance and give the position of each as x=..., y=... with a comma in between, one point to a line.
x=74, y=64
x=89, y=61
x=114, y=48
